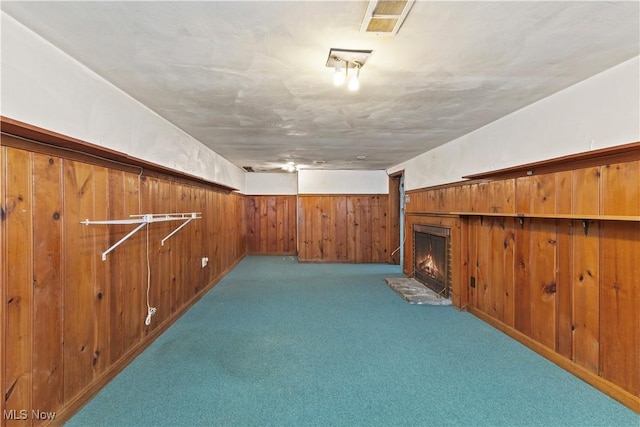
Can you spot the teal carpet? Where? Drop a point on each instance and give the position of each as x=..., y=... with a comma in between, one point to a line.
x=277, y=343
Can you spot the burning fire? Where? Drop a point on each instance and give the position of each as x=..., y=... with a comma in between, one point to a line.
x=428, y=265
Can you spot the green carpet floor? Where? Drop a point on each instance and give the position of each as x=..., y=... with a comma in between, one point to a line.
x=277, y=343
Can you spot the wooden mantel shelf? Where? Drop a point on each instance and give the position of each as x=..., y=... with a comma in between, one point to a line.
x=553, y=216
x=585, y=217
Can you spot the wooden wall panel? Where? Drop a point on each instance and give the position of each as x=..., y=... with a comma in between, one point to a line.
x=543, y=194
x=341, y=228
x=586, y=303
x=585, y=191
x=100, y=277
x=566, y=283
x=564, y=287
x=47, y=358
x=620, y=305
x=133, y=249
x=78, y=294
x=3, y=273
x=542, y=281
x=271, y=224
x=117, y=276
x=18, y=217
x=69, y=319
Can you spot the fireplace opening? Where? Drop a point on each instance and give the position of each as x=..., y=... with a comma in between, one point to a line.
x=431, y=248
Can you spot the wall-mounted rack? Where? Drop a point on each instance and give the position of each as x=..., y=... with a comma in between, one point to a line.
x=144, y=220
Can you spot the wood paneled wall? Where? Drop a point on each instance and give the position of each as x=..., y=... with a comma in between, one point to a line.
x=343, y=228
x=569, y=285
x=271, y=225
x=69, y=320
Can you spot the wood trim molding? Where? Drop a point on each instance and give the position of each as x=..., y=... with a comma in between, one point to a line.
x=343, y=194
x=553, y=216
x=615, y=154
x=607, y=387
x=39, y=135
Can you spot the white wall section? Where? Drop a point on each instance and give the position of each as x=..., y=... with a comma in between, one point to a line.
x=259, y=184
x=342, y=182
x=44, y=87
x=599, y=112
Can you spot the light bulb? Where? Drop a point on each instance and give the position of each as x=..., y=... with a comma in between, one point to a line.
x=354, y=81
x=354, y=84
x=339, y=75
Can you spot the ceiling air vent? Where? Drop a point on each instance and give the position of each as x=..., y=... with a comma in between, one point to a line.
x=385, y=16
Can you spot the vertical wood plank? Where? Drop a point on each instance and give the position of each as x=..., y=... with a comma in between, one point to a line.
x=542, y=281
x=620, y=276
x=281, y=213
x=78, y=293
x=586, y=303
x=620, y=189
x=292, y=225
x=3, y=272
x=17, y=387
x=483, y=266
x=272, y=224
x=339, y=214
x=563, y=192
x=327, y=232
x=474, y=224
x=160, y=193
x=302, y=229
x=564, y=289
x=620, y=304
x=522, y=290
x=508, y=272
x=264, y=224
x=351, y=229
x=585, y=191
x=251, y=213
x=317, y=248
x=543, y=194
x=47, y=283
x=100, y=275
x=116, y=259
x=135, y=279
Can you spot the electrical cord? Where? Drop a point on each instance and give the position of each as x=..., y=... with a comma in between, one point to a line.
x=150, y=310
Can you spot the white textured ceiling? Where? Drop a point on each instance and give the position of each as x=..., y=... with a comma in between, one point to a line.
x=249, y=80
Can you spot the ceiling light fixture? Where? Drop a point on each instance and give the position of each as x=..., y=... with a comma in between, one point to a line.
x=349, y=58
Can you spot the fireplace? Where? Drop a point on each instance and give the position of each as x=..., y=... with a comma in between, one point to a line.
x=431, y=257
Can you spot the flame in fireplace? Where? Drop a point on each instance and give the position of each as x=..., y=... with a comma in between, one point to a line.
x=428, y=265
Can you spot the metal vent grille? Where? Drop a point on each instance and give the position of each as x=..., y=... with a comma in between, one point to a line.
x=385, y=16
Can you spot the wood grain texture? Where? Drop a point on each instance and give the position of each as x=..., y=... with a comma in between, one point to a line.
x=271, y=224
x=343, y=228
x=585, y=298
x=3, y=274
x=551, y=257
x=71, y=320
x=18, y=218
x=48, y=290
x=620, y=305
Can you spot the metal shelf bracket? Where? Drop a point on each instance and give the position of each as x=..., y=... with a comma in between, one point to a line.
x=142, y=221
